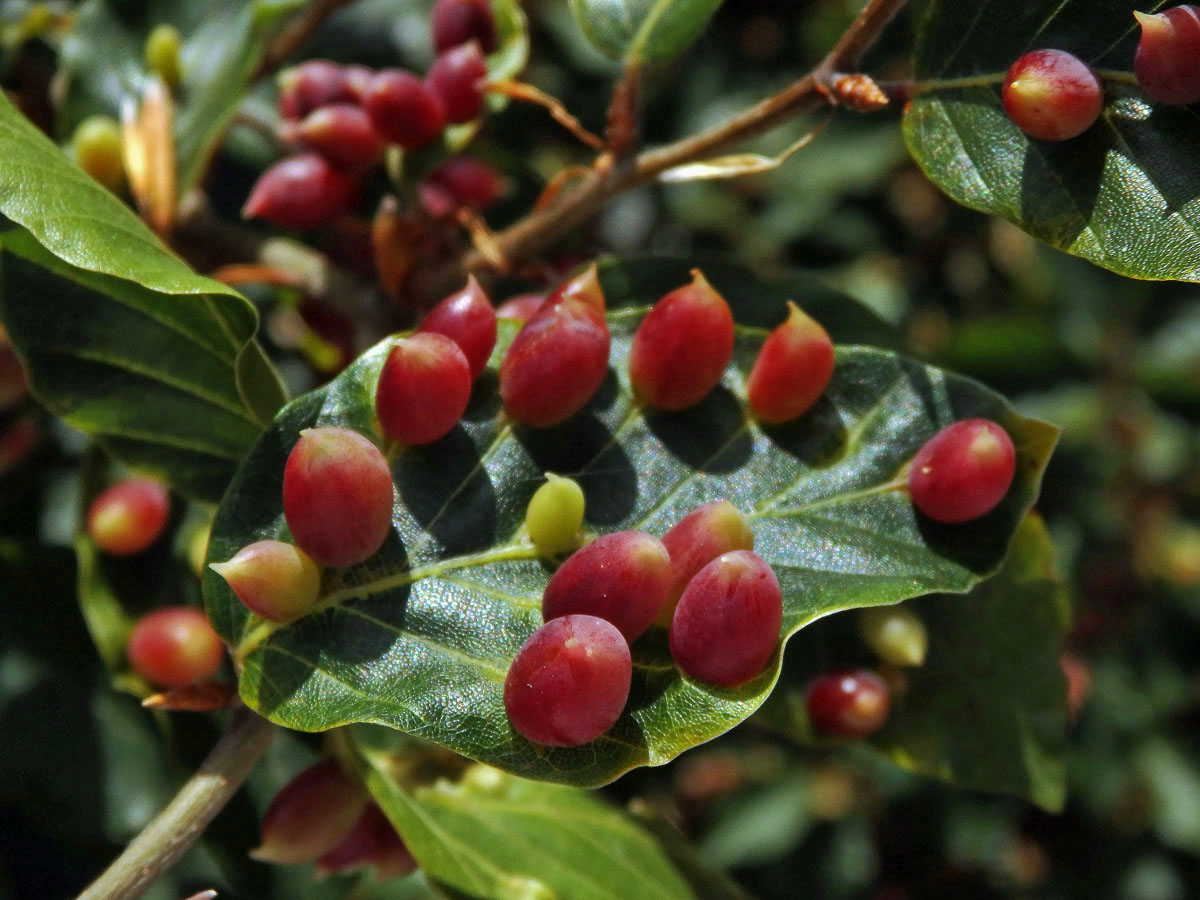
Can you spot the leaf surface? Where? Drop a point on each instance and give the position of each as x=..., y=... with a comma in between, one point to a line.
x=643, y=30
x=987, y=710
x=1125, y=194
x=420, y=636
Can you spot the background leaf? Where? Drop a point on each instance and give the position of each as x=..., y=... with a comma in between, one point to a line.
x=987, y=710
x=79, y=221
x=643, y=30
x=1125, y=194
x=420, y=636
x=497, y=837
x=152, y=377
x=223, y=42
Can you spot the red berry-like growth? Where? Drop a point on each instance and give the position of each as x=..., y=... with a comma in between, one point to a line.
x=311, y=85
x=467, y=318
x=343, y=134
x=569, y=682
x=302, y=192
x=175, y=647
x=682, y=347
x=584, y=287
x=792, y=370
x=520, y=308
x=726, y=625
x=1167, y=61
x=623, y=578
x=310, y=815
x=555, y=364
x=705, y=533
x=337, y=496
x=372, y=842
x=275, y=580
x=403, y=110
x=128, y=516
x=457, y=77
x=462, y=21
x=851, y=703
x=423, y=389
x=457, y=183
x=963, y=471
x=1052, y=95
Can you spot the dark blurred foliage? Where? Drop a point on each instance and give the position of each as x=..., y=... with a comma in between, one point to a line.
x=1115, y=362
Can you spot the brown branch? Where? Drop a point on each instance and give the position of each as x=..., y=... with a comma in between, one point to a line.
x=541, y=227
x=176, y=828
x=296, y=33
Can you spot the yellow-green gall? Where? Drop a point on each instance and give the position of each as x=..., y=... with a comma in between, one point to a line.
x=555, y=515
x=162, y=54
x=96, y=146
x=895, y=633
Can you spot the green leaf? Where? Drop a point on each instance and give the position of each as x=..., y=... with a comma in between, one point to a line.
x=497, y=837
x=987, y=710
x=102, y=59
x=420, y=637
x=643, y=30
x=1125, y=194
x=153, y=378
x=79, y=221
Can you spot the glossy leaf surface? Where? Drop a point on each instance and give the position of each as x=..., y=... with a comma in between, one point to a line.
x=643, y=30
x=1125, y=194
x=420, y=636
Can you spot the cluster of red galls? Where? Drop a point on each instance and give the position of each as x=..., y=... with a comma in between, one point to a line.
x=1054, y=95
x=340, y=119
x=323, y=816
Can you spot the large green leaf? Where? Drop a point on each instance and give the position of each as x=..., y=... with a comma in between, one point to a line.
x=497, y=837
x=78, y=220
x=987, y=710
x=420, y=637
x=643, y=30
x=102, y=60
x=156, y=379
x=1125, y=194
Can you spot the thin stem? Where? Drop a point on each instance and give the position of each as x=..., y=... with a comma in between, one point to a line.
x=296, y=33
x=605, y=181
x=176, y=828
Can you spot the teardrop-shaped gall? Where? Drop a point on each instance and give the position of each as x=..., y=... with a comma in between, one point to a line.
x=726, y=626
x=963, y=471
x=555, y=364
x=128, y=516
x=310, y=815
x=403, y=109
x=175, y=647
x=371, y=842
x=424, y=388
x=1167, y=61
x=458, y=77
x=161, y=53
x=96, y=147
x=337, y=495
x=467, y=318
x=708, y=531
x=682, y=347
x=275, y=580
x=1052, y=95
x=584, y=287
x=623, y=578
x=792, y=370
x=302, y=192
x=457, y=22
x=568, y=682
x=457, y=183
x=895, y=633
x=343, y=134
x=555, y=515
x=520, y=308
x=849, y=703
x=312, y=84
